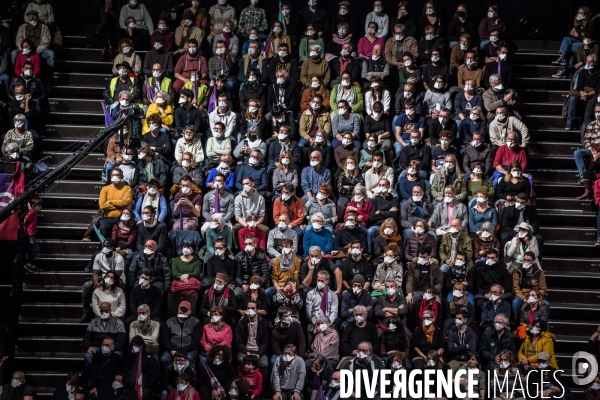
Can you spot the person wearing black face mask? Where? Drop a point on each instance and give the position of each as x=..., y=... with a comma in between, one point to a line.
x=461, y=24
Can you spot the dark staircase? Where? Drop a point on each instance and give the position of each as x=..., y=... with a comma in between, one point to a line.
x=570, y=259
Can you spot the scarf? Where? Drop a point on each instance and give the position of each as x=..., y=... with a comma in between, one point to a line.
x=124, y=228
x=458, y=304
x=289, y=201
x=286, y=264
x=254, y=144
x=224, y=171
x=146, y=327
x=325, y=300
x=428, y=330
x=151, y=201
x=152, y=225
x=425, y=307
x=341, y=41
x=189, y=395
x=222, y=299
x=395, y=237
x=226, y=37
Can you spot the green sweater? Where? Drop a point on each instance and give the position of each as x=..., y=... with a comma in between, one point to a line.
x=212, y=236
x=474, y=186
x=180, y=267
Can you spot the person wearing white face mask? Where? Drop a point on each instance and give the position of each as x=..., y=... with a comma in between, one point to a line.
x=308, y=127
x=283, y=231
x=496, y=339
x=415, y=286
x=427, y=342
x=186, y=30
x=581, y=30
x=522, y=242
x=312, y=178
x=34, y=29
x=285, y=265
x=407, y=123
x=450, y=175
x=381, y=19
x=375, y=66
x=192, y=65
x=109, y=292
x=104, y=336
x=187, y=206
x=537, y=340
x=144, y=292
x=127, y=55
x=497, y=301
x=145, y=329
x=462, y=340
x=150, y=257
x=160, y=115
x=392, y=306
x=113, y=200
x=447, y=210
x=292, y=381
x=355, y=295
x=252, y=335
x=249, y=214
x=498, y=95
x=20, y=136
x=181, y=336
x=186, y=270
x=217, y=332
x=513, y=183
x=398, y=44
x=158, y=80
x=135, y=9
x=490, y=26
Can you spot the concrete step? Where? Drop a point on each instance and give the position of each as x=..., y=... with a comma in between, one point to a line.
x=62, y=231
x=553, y=135
x=568, y=327
x=534, y=70
x=75, y=41
x=91, y=117
x=580, y=249
x=550, y=161
x=56, y=278
x=583, y=234
x=573, y=280
x=66, y=200
x=62, y=131
x=47, y=344
x=77, y=92
x=75, y=105
x=76, y=216
x=570, y=296
x=558, y=190
x=92, y=160
x=70, y=247
x=543, y=175
x=536, y=121
x=542, y=95
x=535, y=56
x=46, y=379
x=571, y=263
x=84, y=54
x=50, y=360
x=567, y=203
x=62, y=262
x=542, y=82
x=84, y=188
x=52, y=294
x=78, y=79
x=51, y=311
x=53, y=326
x=552, y=148
x=542, y=107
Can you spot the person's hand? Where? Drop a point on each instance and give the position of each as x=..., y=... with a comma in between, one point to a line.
x=184, y=277
x=399, y=64
x=296, y=396
x=487, y=295
x=91, y=350
x=311, y=141
x=172, y=352
x=508, y=97
x=394, y=209
x=409, y=298
x=546, y=393
x=509, y=198
x=277, y=396
x=462, y=382
x=526, y=240
x=183, y=23
x=440, y=352
x=360, y=218
x=245, y=287
x=369, y=164
x=449, y=262
x=350, y=208
x=595, y=335
x=215, y=395
x=354, y=352
x=94, y=392
x=412, y=80
x=97, y=285
x=27, y=98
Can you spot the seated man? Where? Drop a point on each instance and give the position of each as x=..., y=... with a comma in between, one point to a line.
x=315, y=66
x=191, y=67
x=120, y=84
x=356, y=263
x=146, y=293
x=181, y=333
x=252, y=336
x=350, y=232
x=249, y=262
x=384, y=206
x=287, y=331
x=308, y=127
x=316, y=263
x=494, y=306
x=415, y=150
x=376, y=173
x=356, y=295
x=406, y=123
x=277, y=235
x=513, y=215
x=255, y=171
x=588, y=152
x=506, y=154
x=488, y=274
x=155, y=262
x=249, y=203
x=408, y=91
x=495, y=339
x=503, y=124
x=358, y=332
x=105, y=327
x=587, y=78
x=314, y=299
x=149, y=167
x=392, y=304
x=39, y=34
x=114, y=198
x=454, y=241
x=159, y=61
x=477, y=152
x=525, y=279
x=443, y=123
x=225, y=205
x=375, y=66
x=317, y=235
x=497, y=95
x=288, y=375
x=462, y=340
x=186, y=206
x=103, y=370
x=344, y=62
x=424, y=272
x=34, y=85
x=312, y=178
x=186, y=114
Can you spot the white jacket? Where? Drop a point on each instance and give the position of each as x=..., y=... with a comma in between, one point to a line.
x=499, y=131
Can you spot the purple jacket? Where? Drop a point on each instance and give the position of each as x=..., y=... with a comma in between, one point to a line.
x=412, y=245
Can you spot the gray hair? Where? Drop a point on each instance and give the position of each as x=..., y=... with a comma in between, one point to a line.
x=314, y=248
x=125, y=92
x=494, y=78
x=390, y=280
x=283, y=71
x=317, y=215
x=504, y=317
x=219, y=219
x=360, y=308
x=369, y=343
x=20, y=117
x=315, y=47
x=11, y=147
x=323, y=319
x=476, y=108
x=499, y=287
x=400, y=26
x=144, y=307
x=164, y=95
x=427, y=312
x=362, y=189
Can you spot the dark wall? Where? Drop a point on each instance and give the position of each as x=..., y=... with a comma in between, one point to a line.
x=533, y=19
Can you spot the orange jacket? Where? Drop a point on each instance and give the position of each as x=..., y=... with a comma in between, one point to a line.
x=295, y=212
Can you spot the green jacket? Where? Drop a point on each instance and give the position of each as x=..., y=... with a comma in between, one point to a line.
x=357, y=105
x=464, y=245
x=439, y=183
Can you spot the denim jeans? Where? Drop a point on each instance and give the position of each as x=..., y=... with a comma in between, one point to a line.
x=572, y=108
x=569, y=46
x=397, y=148
x=582, y=158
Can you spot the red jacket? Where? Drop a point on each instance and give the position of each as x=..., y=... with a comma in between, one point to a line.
x=261, y=240
x=36, y=60
x=30, y=223
x=254, y=380
x=506, y=155
x=597, y=191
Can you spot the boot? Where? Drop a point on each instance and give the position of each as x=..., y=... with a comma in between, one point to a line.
x=587, y=194
x=84, y=317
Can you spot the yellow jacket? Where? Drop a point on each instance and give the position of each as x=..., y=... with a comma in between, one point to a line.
x=168, y=119
x=544, y=343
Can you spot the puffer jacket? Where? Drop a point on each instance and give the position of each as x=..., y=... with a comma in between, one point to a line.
x=411, y=246
x=158, y=265
x=545, y=343
x=246, y=267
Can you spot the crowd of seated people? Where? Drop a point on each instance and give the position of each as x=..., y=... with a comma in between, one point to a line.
x=304, y=195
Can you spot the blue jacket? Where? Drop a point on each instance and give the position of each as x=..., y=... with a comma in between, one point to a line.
x=258, y=174
x=323, y=239
x=311, y=179
x=162, y=208
x=488, y=313
x=476, y=219
x=229, y=179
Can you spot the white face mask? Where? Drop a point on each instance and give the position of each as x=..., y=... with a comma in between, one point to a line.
x=286, y=197
x=498, y=326
x=182, y=386
x=493, y=39
x=502, y=56
x=360, y=319
x=182, y=316
x=463, y=47
x=499, y=87
x=287, y=358
x=490, y=14
x=233, y=392
x=148, y=252
x=316, y=226
x=595, y=386
x=388, y=231
x=429, y=37
x=186, y=190
x=428, y=296
x=457, y=293
x=355, y=252
x=427, y=322
x=19, y=97
x=448, y=199
x=280, y=80
x=117, y=385
x=249, y=248
x=388, y=260
x=321, y=196
x=215, y=318
x=375, y=57
x=371, y=31
x=286, y=250
x=344, y=52
x=422, y=261
x=320, y=285
x=377, y=164
x=489, y=261
x=419, y=230
x=346, y=142
x=104, y=315
x=449, y=165
x=407, y=63
x=485, y=234
x=409, y=112
x=143, y=282
x=124, y=103
x=218, y=287
x=417, y=199
x=214, y=225
x=193, y=50
x=516, y=174
x=345, y=83
x=314, y=163
x=494, y=297
x=459, y=322
x=106, y=350
x=322, y=327
x=186, y=251
x=391, y=291
x=219, y=252
x=535, y=330
x=254, y=286
x=504, y=364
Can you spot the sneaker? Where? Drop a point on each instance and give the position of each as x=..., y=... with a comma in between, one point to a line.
x=567, y=128
x=29, y=268
x=598, y=243
x=86, y=239
x=562, y=73
x=559, y=61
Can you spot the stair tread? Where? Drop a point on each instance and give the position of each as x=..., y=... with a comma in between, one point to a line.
x=572, y=274
x=55, y=338
x=49, y=354
x=63, y=288
x=580, y=306
x=61, y=321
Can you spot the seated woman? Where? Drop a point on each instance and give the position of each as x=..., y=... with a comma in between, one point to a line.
x=114, y=150
x=395, y=341
x=429, y=303
x=512, y=184
x=186, y=271
x=465, y=101
x=224, y=168
x=478, y=181
x=515, y=249
x=311, y=38
x=220, y=364
x=160, y=106
x=255, y=292
x=359, y=204
x=109, y=292
x=419, y=237
x=452, y=175
x=347, y=180
x=252, y=140
x=481, y=213
x=410, y=73
x=216, y=333
x=325, y=342
x=582, y=28
x=398, y=360
x=485, y=240
x=379, y=123
x=458, y=301
x=389, y=268
x=534, y=309
x=127, y=54
x=345, y=122
x=511, y=372
x=232, y=41
x=284, y=173
x=289, y=296
x=253, y=35
x=370, y=145
x=348, y=91
x=252, y=229
x=426, y=338
x=253, y=120
x=366, y=43
x=321, y=203
x=218, y=145
x=446, y=211
x=316, y=88
x=217, y=229
x=152, y=197
x=437, y=96
x=377, y=93
x=124, y=234
x=187, y=165
x=28, y=54
x=388, y=235
x=184, y=389
x=220, y=262
x=537, y=340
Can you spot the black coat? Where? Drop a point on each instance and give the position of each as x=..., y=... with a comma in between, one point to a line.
x=510, y=217
x=246, y=268
x=488, y=275
x=35, y=86
x=262, y=335
x=290, y=97
x=491, y=344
